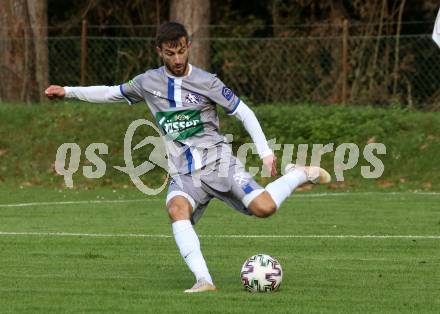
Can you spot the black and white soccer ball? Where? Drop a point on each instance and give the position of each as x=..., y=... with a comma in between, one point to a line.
x=261, y=273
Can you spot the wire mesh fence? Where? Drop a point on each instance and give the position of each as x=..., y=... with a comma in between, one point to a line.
x=373, y=70
x=360, y=70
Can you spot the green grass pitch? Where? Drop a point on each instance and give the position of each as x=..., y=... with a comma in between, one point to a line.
x=106, y=251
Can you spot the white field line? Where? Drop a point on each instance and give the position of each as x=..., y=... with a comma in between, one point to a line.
x=220, y=236
x=308, y=195
x=78, y=202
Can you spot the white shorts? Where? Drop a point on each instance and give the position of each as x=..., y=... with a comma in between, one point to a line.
x=229, y=183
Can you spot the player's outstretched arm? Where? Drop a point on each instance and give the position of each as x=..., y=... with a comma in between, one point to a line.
x=95, y=94
x=220, y=94
x=253, y=127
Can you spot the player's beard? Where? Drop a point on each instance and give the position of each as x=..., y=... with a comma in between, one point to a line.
x=178, y=71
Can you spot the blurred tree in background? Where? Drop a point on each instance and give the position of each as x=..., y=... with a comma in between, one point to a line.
x=23, y=49
x=379, y=66
x=195, y=15
x=259, y=18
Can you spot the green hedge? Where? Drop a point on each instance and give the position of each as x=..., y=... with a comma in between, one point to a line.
x=30, y=136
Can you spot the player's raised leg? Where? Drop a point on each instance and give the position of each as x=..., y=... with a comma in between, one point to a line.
x=276, y=192
x=179, y=210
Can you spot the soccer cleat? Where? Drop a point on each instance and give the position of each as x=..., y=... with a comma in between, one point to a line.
x=201, y=286
x=314, y=174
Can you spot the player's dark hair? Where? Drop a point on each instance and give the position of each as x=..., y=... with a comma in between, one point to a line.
x=170, y=32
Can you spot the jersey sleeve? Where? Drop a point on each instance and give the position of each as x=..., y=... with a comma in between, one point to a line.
x=223, y=96
x=132, y=90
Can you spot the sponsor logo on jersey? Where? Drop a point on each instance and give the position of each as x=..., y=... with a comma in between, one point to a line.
x=192, y=98
x=227, y=93
x=179, y=125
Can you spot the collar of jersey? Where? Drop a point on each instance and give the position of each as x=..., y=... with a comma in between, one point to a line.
x=178, y=77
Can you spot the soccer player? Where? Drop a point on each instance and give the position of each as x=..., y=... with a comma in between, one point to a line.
x=184, y=99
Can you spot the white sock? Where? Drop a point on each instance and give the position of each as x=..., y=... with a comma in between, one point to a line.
x=189, y=247
x=281, y=188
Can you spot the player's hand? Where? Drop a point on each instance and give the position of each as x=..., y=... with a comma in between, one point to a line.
x=55, y=91
x=270, y=163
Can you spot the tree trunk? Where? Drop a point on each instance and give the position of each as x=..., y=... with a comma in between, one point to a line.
x=38, y=19
x=275, y=12
x=195, y=15
x=338, y=16
x=23, y=53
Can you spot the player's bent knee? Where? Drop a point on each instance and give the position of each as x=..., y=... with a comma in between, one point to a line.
x=263, y=206
x=176, y=212
x=179, y=209
x=265, y=211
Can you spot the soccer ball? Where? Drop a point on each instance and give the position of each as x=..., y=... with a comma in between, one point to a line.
x=261, y=273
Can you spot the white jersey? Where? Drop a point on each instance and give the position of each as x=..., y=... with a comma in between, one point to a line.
x=185, y=110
